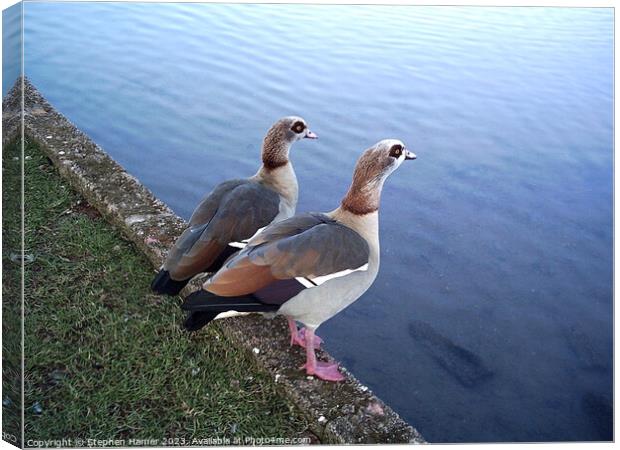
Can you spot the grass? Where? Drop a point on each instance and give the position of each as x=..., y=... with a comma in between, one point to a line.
x=11, y=296
x=106, y=359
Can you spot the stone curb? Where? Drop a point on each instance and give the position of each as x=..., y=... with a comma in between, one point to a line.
x=339, y=413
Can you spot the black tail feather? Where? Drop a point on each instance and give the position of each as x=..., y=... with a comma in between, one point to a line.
x=216, y=265
x=195, y=320
x=204, y=306
x=206, y=301
x=163, y=284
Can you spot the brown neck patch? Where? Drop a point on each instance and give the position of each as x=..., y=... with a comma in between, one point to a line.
x=275, y=147
x=364, y=195
x=359, y=208
x=271, y=165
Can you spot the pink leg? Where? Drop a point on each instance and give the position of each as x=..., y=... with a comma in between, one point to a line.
x=299, y=337
x=295, y=338
x=324, y=371
x=317, y=340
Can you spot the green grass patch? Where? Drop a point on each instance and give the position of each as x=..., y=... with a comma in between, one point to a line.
x=11, y=294
x=105, y=358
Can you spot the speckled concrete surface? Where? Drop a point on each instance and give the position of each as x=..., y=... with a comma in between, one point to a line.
x=341, y=413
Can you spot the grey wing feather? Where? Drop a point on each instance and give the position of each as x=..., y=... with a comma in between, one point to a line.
x=185, y=242
x=210, y=203
x=242, y=212
x=289, y=227
x=233, y=211
x=199, y=221
x=308, y=245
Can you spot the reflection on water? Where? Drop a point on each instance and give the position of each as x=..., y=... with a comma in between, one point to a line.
x=491, y=317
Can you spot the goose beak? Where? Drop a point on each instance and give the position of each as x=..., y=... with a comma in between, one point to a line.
x=310, y=135
x=409, y=155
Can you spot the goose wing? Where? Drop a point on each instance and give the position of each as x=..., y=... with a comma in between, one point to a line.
x=234, y=211
x=307, y=245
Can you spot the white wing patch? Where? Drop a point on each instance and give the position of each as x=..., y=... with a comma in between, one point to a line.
x=245, y=242
x=227, y=314
x=322, y=279
x=306, y=282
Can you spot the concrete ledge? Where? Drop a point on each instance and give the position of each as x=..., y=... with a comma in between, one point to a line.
x=344, y=413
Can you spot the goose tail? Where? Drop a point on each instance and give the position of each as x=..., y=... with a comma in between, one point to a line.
x=203, y=306
x=163, y=284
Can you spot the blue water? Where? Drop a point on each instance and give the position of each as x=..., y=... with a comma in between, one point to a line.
x=11, y=46
x=491, y=318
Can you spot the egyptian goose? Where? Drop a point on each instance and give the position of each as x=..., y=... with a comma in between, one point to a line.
x=236, y=210
x=310, y=266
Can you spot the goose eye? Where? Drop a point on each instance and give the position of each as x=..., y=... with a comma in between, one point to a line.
x=396, y=150
x=298, y=127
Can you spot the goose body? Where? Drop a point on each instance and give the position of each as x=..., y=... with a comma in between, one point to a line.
x=235, y=210
x=311, y=266
x=335, y=291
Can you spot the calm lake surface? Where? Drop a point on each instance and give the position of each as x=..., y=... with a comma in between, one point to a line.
x=491, y=318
